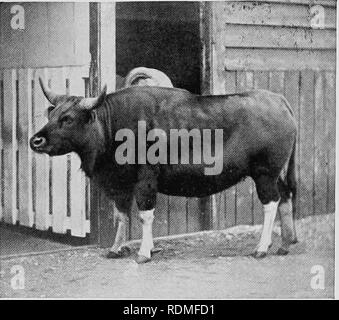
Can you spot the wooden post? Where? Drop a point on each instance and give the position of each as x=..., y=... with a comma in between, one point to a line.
x=207, y=204
x=102, y=70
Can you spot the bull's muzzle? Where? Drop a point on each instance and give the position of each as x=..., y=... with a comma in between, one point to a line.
x=37, y=143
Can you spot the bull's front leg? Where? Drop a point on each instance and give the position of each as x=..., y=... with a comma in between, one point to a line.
x=123, y=204
x=145, y=194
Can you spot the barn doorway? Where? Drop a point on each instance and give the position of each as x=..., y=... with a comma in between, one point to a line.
x=160, y=35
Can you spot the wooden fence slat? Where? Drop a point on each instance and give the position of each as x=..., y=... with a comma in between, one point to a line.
x=330, y=103
x=2, y=168
x=276, y=82
x=193, y=215
x=292, y=95
x=77, y=177
x=24, y=183
x=230, y=194
x=41, y=188
x=220, y=203
x=10, y=145
x=244, y=188
x=320, y=143
x=306, y=182
x=59, y=166
x=178, y=215
x=160, y=225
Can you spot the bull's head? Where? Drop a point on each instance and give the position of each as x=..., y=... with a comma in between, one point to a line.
x=71, y=123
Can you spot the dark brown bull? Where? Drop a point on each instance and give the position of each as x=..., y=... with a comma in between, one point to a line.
x=259, y=134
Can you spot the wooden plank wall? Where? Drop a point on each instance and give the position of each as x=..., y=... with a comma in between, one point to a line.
x=271, y=45
x=38, y=191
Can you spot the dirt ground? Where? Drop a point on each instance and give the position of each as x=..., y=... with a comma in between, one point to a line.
x=211, y=265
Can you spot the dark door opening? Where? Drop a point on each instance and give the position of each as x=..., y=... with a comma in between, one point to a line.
x=160, y=35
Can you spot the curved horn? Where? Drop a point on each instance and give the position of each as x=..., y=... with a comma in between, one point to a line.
x=158, y=77
x=92, y=103
x=51, y=96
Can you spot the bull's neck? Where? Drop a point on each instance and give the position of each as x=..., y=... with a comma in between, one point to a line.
x=104, y=118
x=100, y=139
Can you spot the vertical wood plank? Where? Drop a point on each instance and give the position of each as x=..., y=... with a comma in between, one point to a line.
x=40, y=161
x=59, y=165
x=244, y=188
x=320, y=143
x=178, y=223
x=76, y=87
x=24, y=183
x=306, y=143
x=261, y=80
x=9, y=144
x=102, y=25
x=230, y=199
x=160, y=225
x=331, y=136
x=2, y=168
x=194, y=213
x=292, y=87
x=220, y=203
x=276, y=82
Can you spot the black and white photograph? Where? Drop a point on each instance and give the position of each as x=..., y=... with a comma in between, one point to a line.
x=168, y=150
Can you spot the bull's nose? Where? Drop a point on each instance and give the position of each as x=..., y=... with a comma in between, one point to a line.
x=37, y=142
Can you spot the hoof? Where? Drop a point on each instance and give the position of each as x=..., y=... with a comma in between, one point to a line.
x=114, y=255
x=156, y=250
x=123, y=252
x=282, y=252
x=142, y=259
x=294, y=241
x=259, y=254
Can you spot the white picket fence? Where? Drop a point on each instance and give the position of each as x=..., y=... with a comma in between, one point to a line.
x=36, y=190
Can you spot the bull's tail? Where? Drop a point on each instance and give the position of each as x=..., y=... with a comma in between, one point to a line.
x=291, y=180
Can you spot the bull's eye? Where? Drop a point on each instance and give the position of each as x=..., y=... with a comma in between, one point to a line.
x=66, y=120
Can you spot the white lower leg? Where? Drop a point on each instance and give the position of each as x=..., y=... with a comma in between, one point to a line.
x=120, y=237
x=147, y=237
x=270, y=211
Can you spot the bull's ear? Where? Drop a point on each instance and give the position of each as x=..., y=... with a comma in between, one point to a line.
x=92, y=103
x=92, y=115
x=49, y=110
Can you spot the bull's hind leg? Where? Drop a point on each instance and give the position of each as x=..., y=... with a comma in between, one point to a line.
x=122, y=210
x=288, y=232
x=269, y=196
